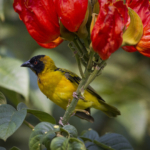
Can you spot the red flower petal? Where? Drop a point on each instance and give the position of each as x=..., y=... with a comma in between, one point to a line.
x=107, y=33
x=52, y=44
x=40, y=19
x=144, y=45
x=129, y=48
x=142, y=8
x=71, y=12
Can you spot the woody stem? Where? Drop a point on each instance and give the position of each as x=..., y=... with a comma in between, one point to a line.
x=87, y=77
x=70, y=109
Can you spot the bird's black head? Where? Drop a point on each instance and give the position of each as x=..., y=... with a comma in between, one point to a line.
x=35, y=64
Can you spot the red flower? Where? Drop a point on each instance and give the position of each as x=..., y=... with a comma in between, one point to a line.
x=71, y=13
x=142, y=8
x=107, y=32
x=41, y=21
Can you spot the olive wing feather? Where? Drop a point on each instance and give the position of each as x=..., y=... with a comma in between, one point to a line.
x=72, y=77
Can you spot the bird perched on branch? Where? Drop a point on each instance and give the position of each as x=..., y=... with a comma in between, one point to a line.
x=59, y=85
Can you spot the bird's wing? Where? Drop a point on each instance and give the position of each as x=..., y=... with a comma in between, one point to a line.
x=76, y=79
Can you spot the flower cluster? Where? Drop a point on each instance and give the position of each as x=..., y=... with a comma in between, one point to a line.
x=49, y=22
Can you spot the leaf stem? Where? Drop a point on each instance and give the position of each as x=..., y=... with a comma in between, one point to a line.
x=81, y=53
x=28, y=124
x=87, y=77
x=69, y=111
x=77, y=59
x=95, y=73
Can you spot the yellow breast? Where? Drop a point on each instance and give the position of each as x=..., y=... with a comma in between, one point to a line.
x=60, y=90
x=56, y=87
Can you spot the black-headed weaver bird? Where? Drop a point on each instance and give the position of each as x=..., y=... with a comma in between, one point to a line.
x=59, y=85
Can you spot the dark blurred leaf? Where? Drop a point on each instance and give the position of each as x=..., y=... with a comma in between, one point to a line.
x=2, y=99
x=14, y=148
x=42, y=116
x=13, y=77
x=2, y=148
x=90, y=134
x=12, y=96
x=92, y=146
x=43, y=133
x=115, y=141
x=103, y=146
x=10, y=119
x=71, y=130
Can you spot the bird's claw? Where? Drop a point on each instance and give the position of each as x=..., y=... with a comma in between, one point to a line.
x=75, y=95
x=61, y=123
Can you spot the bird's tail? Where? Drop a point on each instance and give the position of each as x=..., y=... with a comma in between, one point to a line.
x=109, y=110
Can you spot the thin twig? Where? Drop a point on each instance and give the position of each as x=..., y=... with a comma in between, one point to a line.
x=28, y=124
x=77, y=59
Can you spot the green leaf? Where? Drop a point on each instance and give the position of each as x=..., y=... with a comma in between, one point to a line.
x=92, y=146
x=85, y=139
x=43, y=133
x=2, y=148
x=2, y=99
x=14, y=148
x=62, y=143
x=10, y=119
x=42, y=116
x=103, y=146
x=59, y=143
x=89, y=134
x=71, y=130
x=21, y=106
x=115, y=141
x=12, y=96
x=76, y=144
x=13, y=77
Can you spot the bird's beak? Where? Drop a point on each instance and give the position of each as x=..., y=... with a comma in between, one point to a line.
x=27, y=64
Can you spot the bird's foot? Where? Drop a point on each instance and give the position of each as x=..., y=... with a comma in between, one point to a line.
x=84, y=111
x=73, y=114
x=61, y=123
x=75, y=95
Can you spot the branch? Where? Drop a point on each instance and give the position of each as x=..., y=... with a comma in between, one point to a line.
x=87, y=78
x=77, y=59
x=28, y=124
x=69, y=111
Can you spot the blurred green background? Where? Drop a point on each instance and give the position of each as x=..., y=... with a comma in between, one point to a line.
x=124, y=83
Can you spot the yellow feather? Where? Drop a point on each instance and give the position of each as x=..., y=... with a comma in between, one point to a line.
x=59, y=89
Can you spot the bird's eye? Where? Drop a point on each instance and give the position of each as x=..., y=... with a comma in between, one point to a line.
x=35, y=63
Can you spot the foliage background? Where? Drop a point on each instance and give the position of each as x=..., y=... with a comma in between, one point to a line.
x=124, y=83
